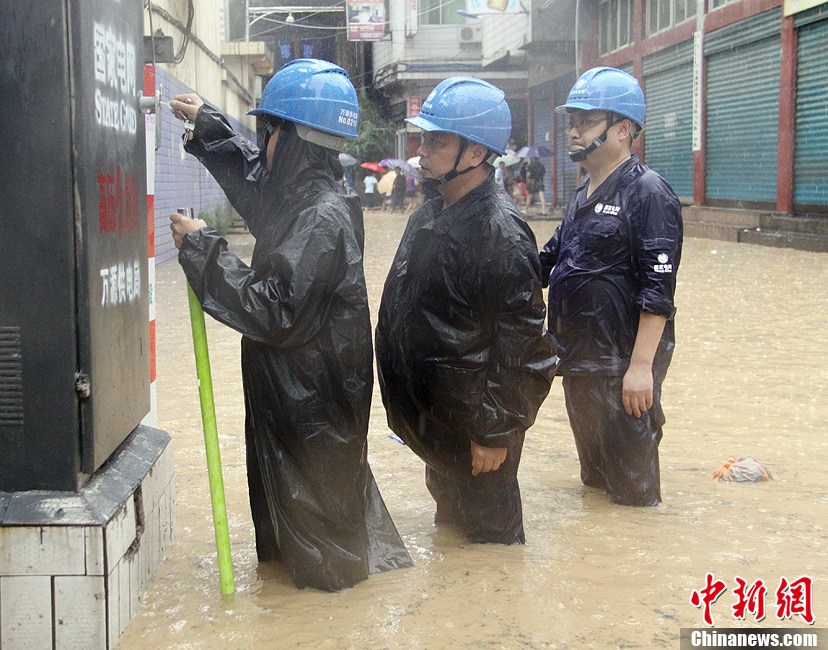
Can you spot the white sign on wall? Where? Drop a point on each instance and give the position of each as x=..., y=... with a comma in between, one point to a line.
x=698, y=60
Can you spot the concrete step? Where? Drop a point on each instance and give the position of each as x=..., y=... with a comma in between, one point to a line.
x=711, y=230
x=783, y=222
x=815, y=243
x=757, y=227
x=237, y=226
x=723, y=216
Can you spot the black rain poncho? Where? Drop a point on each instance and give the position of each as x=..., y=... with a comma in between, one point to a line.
x=302, y=309
x=462, y=352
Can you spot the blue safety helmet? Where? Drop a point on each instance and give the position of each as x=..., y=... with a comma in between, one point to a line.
x=607, y=89
x=318, y=96
x=471, y=108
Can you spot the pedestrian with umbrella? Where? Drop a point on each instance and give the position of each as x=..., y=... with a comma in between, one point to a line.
x=500, y=175
x=522, y=188
x=348, y=161
x=373, y=196
x=370, y=196
x=535, y=172
x=398, y=190
x=302, y=309
x=385, y=185
x=374, y=167
x=404, y=167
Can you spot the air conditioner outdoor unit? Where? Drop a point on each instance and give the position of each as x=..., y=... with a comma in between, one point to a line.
x=470, y=34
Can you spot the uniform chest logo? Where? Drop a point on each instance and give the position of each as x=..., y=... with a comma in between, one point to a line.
x=600, y=208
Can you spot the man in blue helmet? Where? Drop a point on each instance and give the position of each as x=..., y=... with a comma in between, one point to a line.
x=613, y=263
x=463, y=357
x=302, y=309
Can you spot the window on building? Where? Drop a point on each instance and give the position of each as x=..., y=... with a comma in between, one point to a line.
x=715, y=4
x=441, y=12
x=615, y=17
x=663, y=14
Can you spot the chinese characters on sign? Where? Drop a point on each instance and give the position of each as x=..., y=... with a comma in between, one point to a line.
x=366, y=20
x=413, y=106
x=793, y=598
x=117, y=202
x=121, y=283
x=412, y=109
x=114, y=64
x=698, y=61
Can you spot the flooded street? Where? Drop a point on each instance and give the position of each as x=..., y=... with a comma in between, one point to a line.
x=749, y=378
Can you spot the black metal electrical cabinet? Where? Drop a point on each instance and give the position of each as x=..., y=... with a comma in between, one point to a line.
x=74, y=334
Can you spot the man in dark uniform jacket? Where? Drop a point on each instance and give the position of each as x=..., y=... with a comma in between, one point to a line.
x=613, y=263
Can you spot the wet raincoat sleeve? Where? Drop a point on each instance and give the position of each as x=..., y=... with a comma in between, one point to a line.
x=237, y=164
x=522, y=361
x=657, y=237
x=549, y=256
x=287, y=303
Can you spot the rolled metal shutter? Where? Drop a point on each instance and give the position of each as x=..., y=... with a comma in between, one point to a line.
x=542, y=110
x=668, y=147
x=567, y=171
x=743, y=110
x=811, y=159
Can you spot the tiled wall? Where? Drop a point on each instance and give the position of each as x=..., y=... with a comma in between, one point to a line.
x=180, y=180
x=74, y=566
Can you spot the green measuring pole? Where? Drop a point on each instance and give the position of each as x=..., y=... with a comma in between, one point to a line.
x=208, y=419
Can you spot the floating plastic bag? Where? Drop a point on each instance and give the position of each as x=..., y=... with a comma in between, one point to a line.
x=743, y=470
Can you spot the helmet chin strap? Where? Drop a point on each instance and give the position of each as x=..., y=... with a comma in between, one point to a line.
x=581, y=154
x=450, y=176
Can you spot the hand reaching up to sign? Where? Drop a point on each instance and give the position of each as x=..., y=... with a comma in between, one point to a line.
x=185, y=106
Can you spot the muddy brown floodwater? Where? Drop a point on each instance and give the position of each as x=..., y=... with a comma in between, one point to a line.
x=749, y=378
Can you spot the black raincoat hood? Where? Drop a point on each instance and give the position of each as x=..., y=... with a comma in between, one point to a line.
x=299, y=165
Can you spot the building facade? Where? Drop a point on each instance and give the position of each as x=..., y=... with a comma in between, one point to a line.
x=227, y=74
x=430, y=40
x=735, y=97
x=735, y=88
